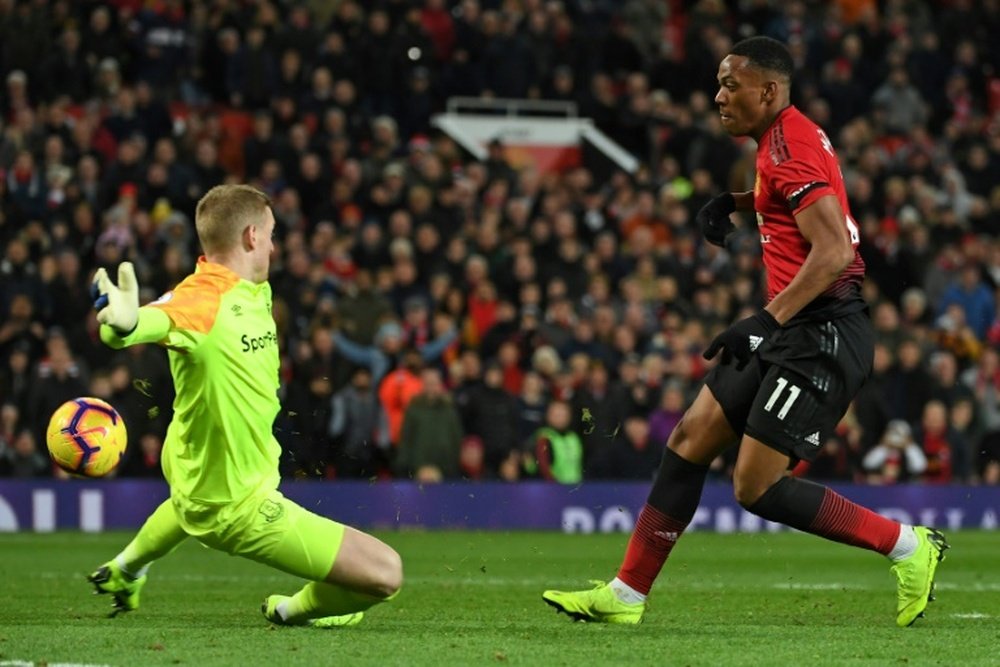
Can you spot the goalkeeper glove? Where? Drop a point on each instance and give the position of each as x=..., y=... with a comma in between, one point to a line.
x=118, y=307
x=713, y=219
x=743, y=338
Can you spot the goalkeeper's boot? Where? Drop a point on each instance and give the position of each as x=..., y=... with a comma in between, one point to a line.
x=915, y=575
x=125, y=590
x=270, y=610
x=598, y=605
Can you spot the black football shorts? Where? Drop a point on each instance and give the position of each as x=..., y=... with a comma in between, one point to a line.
x=800, y=383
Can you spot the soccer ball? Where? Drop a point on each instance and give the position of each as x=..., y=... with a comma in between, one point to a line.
x=87, y=437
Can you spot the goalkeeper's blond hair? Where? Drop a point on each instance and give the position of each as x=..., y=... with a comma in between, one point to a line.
x=225, y=212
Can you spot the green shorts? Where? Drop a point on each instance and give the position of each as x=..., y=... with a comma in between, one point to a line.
x=268, y=528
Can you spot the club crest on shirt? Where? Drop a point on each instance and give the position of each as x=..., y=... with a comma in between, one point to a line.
x=271, y=510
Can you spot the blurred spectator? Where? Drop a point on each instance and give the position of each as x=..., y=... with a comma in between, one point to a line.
x=491, y=414
x=22, y=458
x=58, y=378
x=397, y=389
x=664, y=419
x=431, y=438
x=896, y=458
x=636, y=454
x=599, y=410
x=532, y=404
x=908, y=385
x=558, y=451
x=972, y=295
x=937, y=440
x=357, y=428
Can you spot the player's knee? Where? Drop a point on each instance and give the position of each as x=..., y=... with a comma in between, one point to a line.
x=390, y=574
x=748, y=490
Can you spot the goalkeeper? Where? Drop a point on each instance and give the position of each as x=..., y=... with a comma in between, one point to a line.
x=220, y=457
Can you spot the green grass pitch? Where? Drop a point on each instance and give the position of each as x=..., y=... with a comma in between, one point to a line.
x=474, y=599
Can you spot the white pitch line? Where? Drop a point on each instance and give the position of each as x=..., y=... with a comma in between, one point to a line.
x=466, y=579
x=972, y=615
x=25, y=663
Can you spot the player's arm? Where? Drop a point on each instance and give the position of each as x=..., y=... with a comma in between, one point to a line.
x=822, y=225
x=177, y=320
x=152, y=326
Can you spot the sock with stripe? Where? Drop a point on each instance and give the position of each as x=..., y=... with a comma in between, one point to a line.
x=671, y=503
x=821, y=511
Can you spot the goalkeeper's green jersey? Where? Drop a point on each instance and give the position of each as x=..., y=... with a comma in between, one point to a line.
x=223, y=349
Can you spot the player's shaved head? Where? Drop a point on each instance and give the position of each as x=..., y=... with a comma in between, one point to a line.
x=225, y=212
x=766, y=54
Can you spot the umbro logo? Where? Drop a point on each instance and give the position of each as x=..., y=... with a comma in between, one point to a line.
x=755, y=342
x=813, y=439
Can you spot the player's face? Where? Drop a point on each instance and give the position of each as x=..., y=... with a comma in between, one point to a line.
x=742, y=97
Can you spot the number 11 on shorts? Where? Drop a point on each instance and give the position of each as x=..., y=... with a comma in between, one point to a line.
x=793, y=393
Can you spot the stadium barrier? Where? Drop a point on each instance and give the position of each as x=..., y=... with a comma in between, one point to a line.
x=44, y=506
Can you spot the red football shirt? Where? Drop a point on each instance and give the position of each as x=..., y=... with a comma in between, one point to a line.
x=796, y=166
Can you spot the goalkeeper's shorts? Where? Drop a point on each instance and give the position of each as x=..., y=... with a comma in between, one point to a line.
x=268, y=528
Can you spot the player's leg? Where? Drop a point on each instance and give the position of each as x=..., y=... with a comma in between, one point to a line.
x=125, y=575
x=365, y=571
x=349, y=571
x=705, y=431
x=797, y=408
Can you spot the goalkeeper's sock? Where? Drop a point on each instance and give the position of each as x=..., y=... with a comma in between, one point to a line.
x=671, y=504
x=127, y=571
x=316, y=600
x=821, y=511
x=159, y=535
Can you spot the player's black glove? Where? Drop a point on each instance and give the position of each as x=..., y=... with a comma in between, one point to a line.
x=713, y=219
x=742, y=339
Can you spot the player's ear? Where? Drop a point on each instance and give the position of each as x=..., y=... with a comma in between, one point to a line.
x=770, y=91
x=250, y=237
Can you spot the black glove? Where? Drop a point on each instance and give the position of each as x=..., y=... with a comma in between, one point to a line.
x=713, y=219
x=742, y=339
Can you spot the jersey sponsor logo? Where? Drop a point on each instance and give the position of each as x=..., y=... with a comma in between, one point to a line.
x=262, y=342
x=164, y=298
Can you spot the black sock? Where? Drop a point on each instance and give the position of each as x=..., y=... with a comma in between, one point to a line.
x=677, y=488
x=791, y=501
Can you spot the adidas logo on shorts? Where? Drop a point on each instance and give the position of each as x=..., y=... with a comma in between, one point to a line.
x=813, y=438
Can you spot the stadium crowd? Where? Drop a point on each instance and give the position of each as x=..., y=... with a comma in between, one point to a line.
x=443, y=317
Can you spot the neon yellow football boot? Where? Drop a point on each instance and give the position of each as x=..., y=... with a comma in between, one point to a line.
x=270, y=610
x=915, y=575
x=125, y=590
x=597, y=605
